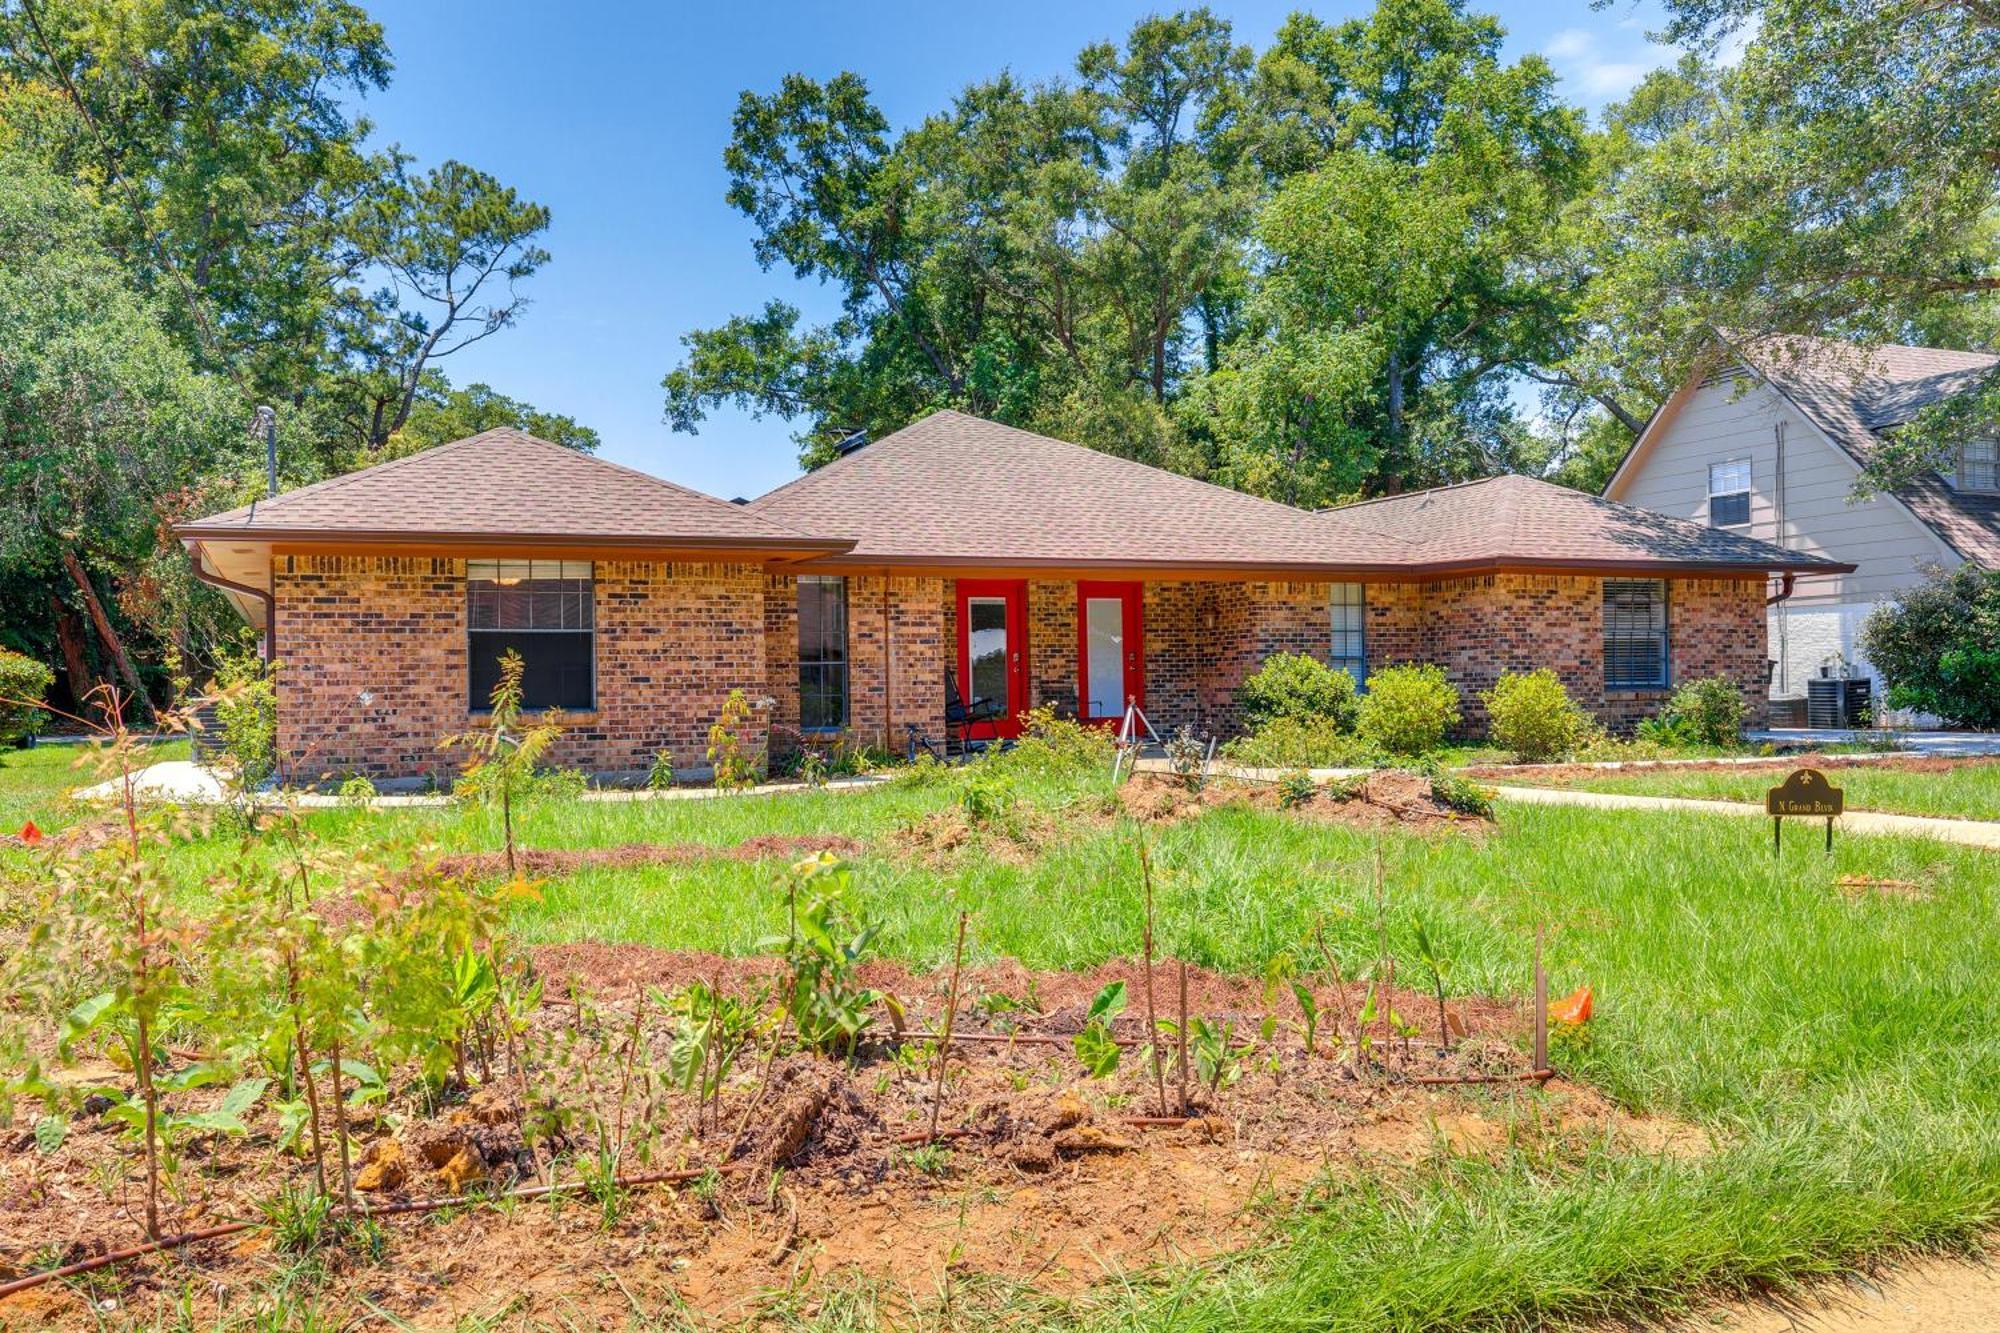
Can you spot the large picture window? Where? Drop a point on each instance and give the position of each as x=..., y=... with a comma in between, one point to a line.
x=1350, y=635
x=822, y=653
x=1635, y=634
x=543, y=610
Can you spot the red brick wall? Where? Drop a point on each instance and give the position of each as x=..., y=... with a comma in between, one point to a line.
x=672, y=641
x=375, y=669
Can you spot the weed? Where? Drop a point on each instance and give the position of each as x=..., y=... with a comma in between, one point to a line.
x=1296, y=788
x=736, y=762
x=1188, y=757
x=504, y=756
x=927, y=1159
x=1093, y=1044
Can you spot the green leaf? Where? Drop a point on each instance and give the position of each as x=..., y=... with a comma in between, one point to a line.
x=1110, y=1003
x=50, y=1131
x=85, y=1017
x=1098, y=1052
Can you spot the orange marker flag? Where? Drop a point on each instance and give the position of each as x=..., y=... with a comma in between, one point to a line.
x=30, y=834
x=1572, y=1008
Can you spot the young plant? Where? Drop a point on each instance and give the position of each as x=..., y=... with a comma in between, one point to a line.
x=504, y=752
x=735, y=760
x=1094, y=1044
x=660, y=777
x=1188, y=758
x=1216, y=1060
x=827, y=938
x=1438, y=964
x=710, y=1031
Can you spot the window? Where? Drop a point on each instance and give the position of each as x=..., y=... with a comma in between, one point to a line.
x=1635, y=634
x=1979, y=466
x=822, y=653
x=1729, y=493
x=1350, y=636
x=543, y=610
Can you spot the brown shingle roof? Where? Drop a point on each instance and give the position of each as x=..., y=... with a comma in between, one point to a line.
x=956, y=489
x=1853, y=392
x=1519, y=522
x=505, y=483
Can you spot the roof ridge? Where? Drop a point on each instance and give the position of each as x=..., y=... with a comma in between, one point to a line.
x=1426, y=490
x=334, y=483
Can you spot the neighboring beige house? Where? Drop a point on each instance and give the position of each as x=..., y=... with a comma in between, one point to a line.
x=1769, y=442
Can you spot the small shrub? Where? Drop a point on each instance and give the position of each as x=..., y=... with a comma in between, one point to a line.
x=23, y=682
x=245, y=691
x=660, y=777
x=736, y=762
x=1295, y=789
x=1295, y=742
x=1408, y=709
x=1051, y=744
x=1460, y=793
x=1188, y=757
x=1295, y=685
x=356, y=792
x=1701, y=712
x=926, y=770
x=1533, y=717
x=1937, y=646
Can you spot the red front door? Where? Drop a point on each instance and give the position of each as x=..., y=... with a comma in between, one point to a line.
x=993, y=650
x=1110, y=650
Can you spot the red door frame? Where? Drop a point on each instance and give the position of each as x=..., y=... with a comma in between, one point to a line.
x=1015, y=593
x=1132, y=595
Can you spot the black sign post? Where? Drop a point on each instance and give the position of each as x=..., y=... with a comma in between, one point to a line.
x=1806, y=794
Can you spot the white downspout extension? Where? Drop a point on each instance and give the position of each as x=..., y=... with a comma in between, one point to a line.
x=1782, y=539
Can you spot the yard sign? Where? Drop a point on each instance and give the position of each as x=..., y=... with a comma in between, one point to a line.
x=1805, y=794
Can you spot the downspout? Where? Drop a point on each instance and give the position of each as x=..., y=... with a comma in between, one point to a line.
x=1782, y=538
x=1791, y=577
x=268, y=649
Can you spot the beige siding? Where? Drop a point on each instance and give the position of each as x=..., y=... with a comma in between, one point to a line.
x=1728, y=421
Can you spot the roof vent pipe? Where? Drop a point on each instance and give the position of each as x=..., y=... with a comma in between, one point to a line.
x=267, y=421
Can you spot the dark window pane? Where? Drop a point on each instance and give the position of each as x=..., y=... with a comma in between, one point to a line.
x=1728, y=511
x=822, y=653
x=556, y=668
x=1635, y=633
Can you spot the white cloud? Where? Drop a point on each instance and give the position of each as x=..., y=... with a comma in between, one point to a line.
x=1570, y=44
x=1580, y=57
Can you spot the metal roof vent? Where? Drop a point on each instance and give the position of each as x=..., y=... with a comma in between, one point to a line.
x=849, y=443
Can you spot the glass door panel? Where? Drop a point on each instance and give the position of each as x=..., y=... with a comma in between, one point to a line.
x=1104, y=656
x=986, y=648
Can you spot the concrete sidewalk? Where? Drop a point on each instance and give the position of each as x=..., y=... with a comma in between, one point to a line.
x=1965, y=832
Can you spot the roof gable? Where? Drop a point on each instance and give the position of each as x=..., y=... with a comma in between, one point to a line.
x=503, y=484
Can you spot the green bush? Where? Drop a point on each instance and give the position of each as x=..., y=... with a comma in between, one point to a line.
x=1296, y=788
x=1294, y=685
x=1408, y=709
x=1297, y=742
x=1937, y=646
x=23, y=682
x=1531, y=715
x=1701, y=712
x=245, y=691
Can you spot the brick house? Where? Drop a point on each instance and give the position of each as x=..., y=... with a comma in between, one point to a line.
x=956, y=551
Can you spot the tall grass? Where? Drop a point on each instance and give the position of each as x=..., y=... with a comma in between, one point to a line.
x=1969, y=791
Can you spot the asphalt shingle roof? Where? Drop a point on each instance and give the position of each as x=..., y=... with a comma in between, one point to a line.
x=953, y=488
x=1852, y=392
x=1520, y=522
x=504, y=482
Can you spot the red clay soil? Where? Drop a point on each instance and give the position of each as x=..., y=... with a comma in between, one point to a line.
x=1565, y=773
x=1044, y=1185
x=1385, y=798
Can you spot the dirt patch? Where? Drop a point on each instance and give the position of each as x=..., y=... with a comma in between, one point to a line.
x=1045, y=1180
x=1385, y=798
x=1562, y=774
x=540, y=861
x=1868, y=886
x=1016, y=834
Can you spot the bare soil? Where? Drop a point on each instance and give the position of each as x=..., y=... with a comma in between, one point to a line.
x=1045, y=1181
x=1924, y=1295
x=1383, y=798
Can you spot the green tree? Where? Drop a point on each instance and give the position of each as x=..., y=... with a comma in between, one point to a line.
x=442, y=414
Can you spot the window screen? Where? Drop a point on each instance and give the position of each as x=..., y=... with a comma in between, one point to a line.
x=822, y=653
x=1979, y=466
x=1729, y=493
x=1635, y=633
x=1350, y=638
x=545, y=611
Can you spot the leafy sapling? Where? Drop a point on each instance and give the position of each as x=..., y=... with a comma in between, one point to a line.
x=1094, y=1045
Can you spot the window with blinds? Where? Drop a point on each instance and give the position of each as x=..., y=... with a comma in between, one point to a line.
x=1635, y=634
x=822, y=653
x=543, y=610
x=1729, y=493
x=1349, y=611
x=1979, y=466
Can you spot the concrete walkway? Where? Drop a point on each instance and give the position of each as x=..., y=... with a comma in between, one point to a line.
x=1939, y=743
x=1965, y=832
x=183, y=782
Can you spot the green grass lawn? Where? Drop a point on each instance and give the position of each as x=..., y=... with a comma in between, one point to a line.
x=34, y=783
x=1969, y=791
x=1844, y=1053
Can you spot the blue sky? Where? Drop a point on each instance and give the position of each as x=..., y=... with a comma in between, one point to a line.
x=615, y=116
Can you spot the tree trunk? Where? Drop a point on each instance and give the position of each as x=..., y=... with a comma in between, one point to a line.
x=1395, y=398
x=105, y=633
x=69, y=641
